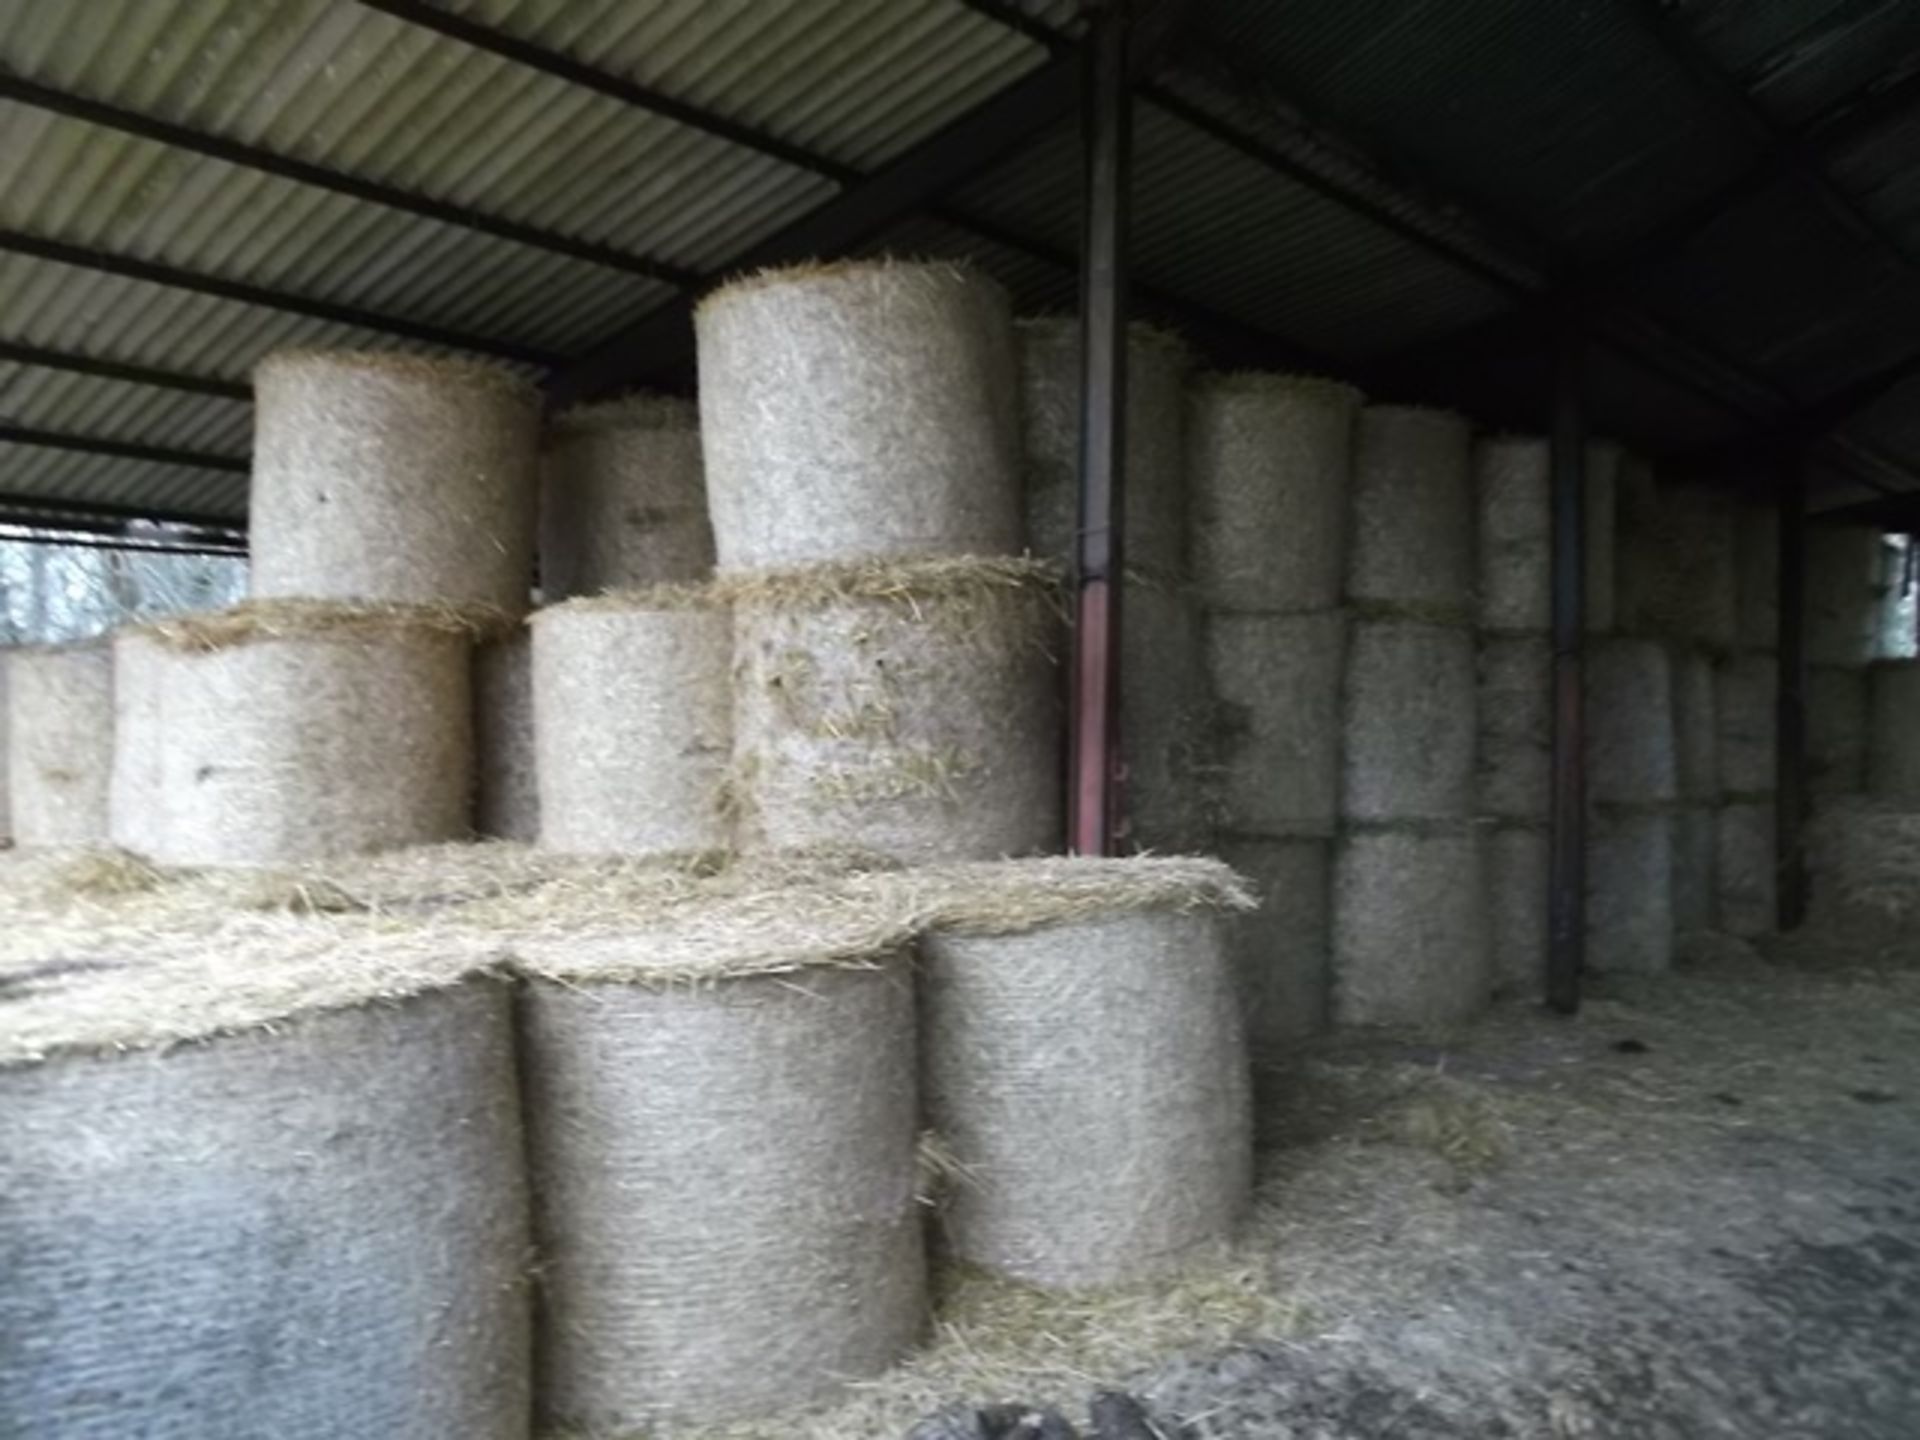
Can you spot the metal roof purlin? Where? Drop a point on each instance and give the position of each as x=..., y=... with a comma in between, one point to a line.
x=122, y=449
x=21, y=354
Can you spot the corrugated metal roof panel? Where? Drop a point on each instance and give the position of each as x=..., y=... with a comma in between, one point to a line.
x=1797, y=57
x=73, y=404
x=39, y=473
x=1883, y=170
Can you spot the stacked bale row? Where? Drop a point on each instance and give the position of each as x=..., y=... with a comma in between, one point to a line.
x=1270, y=462
x=1410, y=919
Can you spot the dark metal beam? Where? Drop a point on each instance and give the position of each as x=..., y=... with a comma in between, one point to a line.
x=100, y=517
x=122, y=449
x=1095, y=799
x=106, y=536
x=1790, y=755
x=254, y=157
x=60, y=252
x=23, y=354
x=1567, y=815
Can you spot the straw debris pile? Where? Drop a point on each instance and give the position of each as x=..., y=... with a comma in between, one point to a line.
x=60, y=743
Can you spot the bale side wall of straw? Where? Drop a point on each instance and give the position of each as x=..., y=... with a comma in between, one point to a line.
x=623, y=506
x=724, y=1183
x=1410, y=928
x=135, y=801
x=506, y=790
x=1756, y=563
x=1280, y=951
x=1630, y=729
x=60, y=744
x=1696, y=726
x=859, y=411
x=389, y=479
x=1515, y=714
x=1276, y=684
x=1745, y=694
x=1053, y=1052
x=1837, y=709
x=1156, y=491
x=1893, y=730
x=309, y=1232
x=1514, y=533
x=1517, y=875
x=1744, y=869
x=1605, y=460
x=1630, y=867
x=1676, y=570
x=313, y=745
x=1409, y=723
x=926, y=728
x=1270, y=460
x=1413, y=513
x=1166, y=719
x=1844, y=595
x=1693, y=863
x=632, y=728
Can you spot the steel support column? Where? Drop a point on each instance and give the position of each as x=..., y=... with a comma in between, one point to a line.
x=1094, y=788
x=1567, y=864
x=1790, y=755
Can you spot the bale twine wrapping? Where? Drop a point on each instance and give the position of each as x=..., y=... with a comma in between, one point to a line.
x=60, y=743
x=1413, y=514
x=135, y=801
x=1630, y=866
x=506, y=791
x=1676, y=566
x=623, y=499
x=723, y=1126
x=1693, y=863
x=1514, y=535
x=236, y=1210
x=1893, y=730
x=1156, y=498
x=1409, y=726
x=1276, y=686
x=1837, y=706
x=1744, y=870
x=859, y=411
x=1270, y=459
x=1745, y=696
x=632, y=721
x=1630, y=732
x=1166, y=718
x=1605, y=461
x=1696, y=729
x=1280, y=951
x=1756, y=567
x=298, y=730
x=908, y=708
x=1515, y=713
x=1410, y=926
x=393, y=478
x=1844, y=593
x=1517, y=879
x=1073, y=1026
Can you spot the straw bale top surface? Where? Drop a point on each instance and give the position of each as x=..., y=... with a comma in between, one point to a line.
x=902, y=581
x=1269, y=382
x=670, y=596
x=463, y=370
x=628, y=412
x=256, y=621
x=928, y=274
x=1000, y=897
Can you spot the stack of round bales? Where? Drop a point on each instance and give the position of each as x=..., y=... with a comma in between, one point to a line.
x=301, y=729
x=1077, y=1015
x=1270, y=460
x=59, y=738
x=263, y=1177
x=1893, y=733
x=1746, y=695
x=1163, y=679
x=136, y=809
x=1697, y=782
x=723, y=1132
x=1633, y=789
x=1676, y=563
x=1410, y=918
x=895, y=680
x=506, y=791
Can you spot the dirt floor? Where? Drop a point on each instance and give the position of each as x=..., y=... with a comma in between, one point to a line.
x=1692, y=1211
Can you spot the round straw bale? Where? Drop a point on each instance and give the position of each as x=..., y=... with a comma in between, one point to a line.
x=1605, y=459
x=1630, y=735
x=1893, y=730
x=1693, y=862
x=1166, y=716
x=1864, y=855
x=1276, y=682
x=1756, y=566
x=506, y=791
x=1411, y=935
x=1156, y=498
x=393, y=478
x=1270, y=459
x=1696, y=732
x=909, y=708
x=632, y=720
x=1745, y=696
x=1744, y=868
x=60, y=743
x=623, y=500
x=1280, y=950
x=1676, y=566
x=297, y=730
x=1630, y=865
x=1837, y=702
x=1060, y=1044
x=6, y=789
x=723, y=1127
x=1413, y=514
x=859, y=411
x=1844, y=594
x=1511, y=481
x=1518, y=862
x=313, y=1227
x=1409, y=723
x=1515, y=710
x=135, y=803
